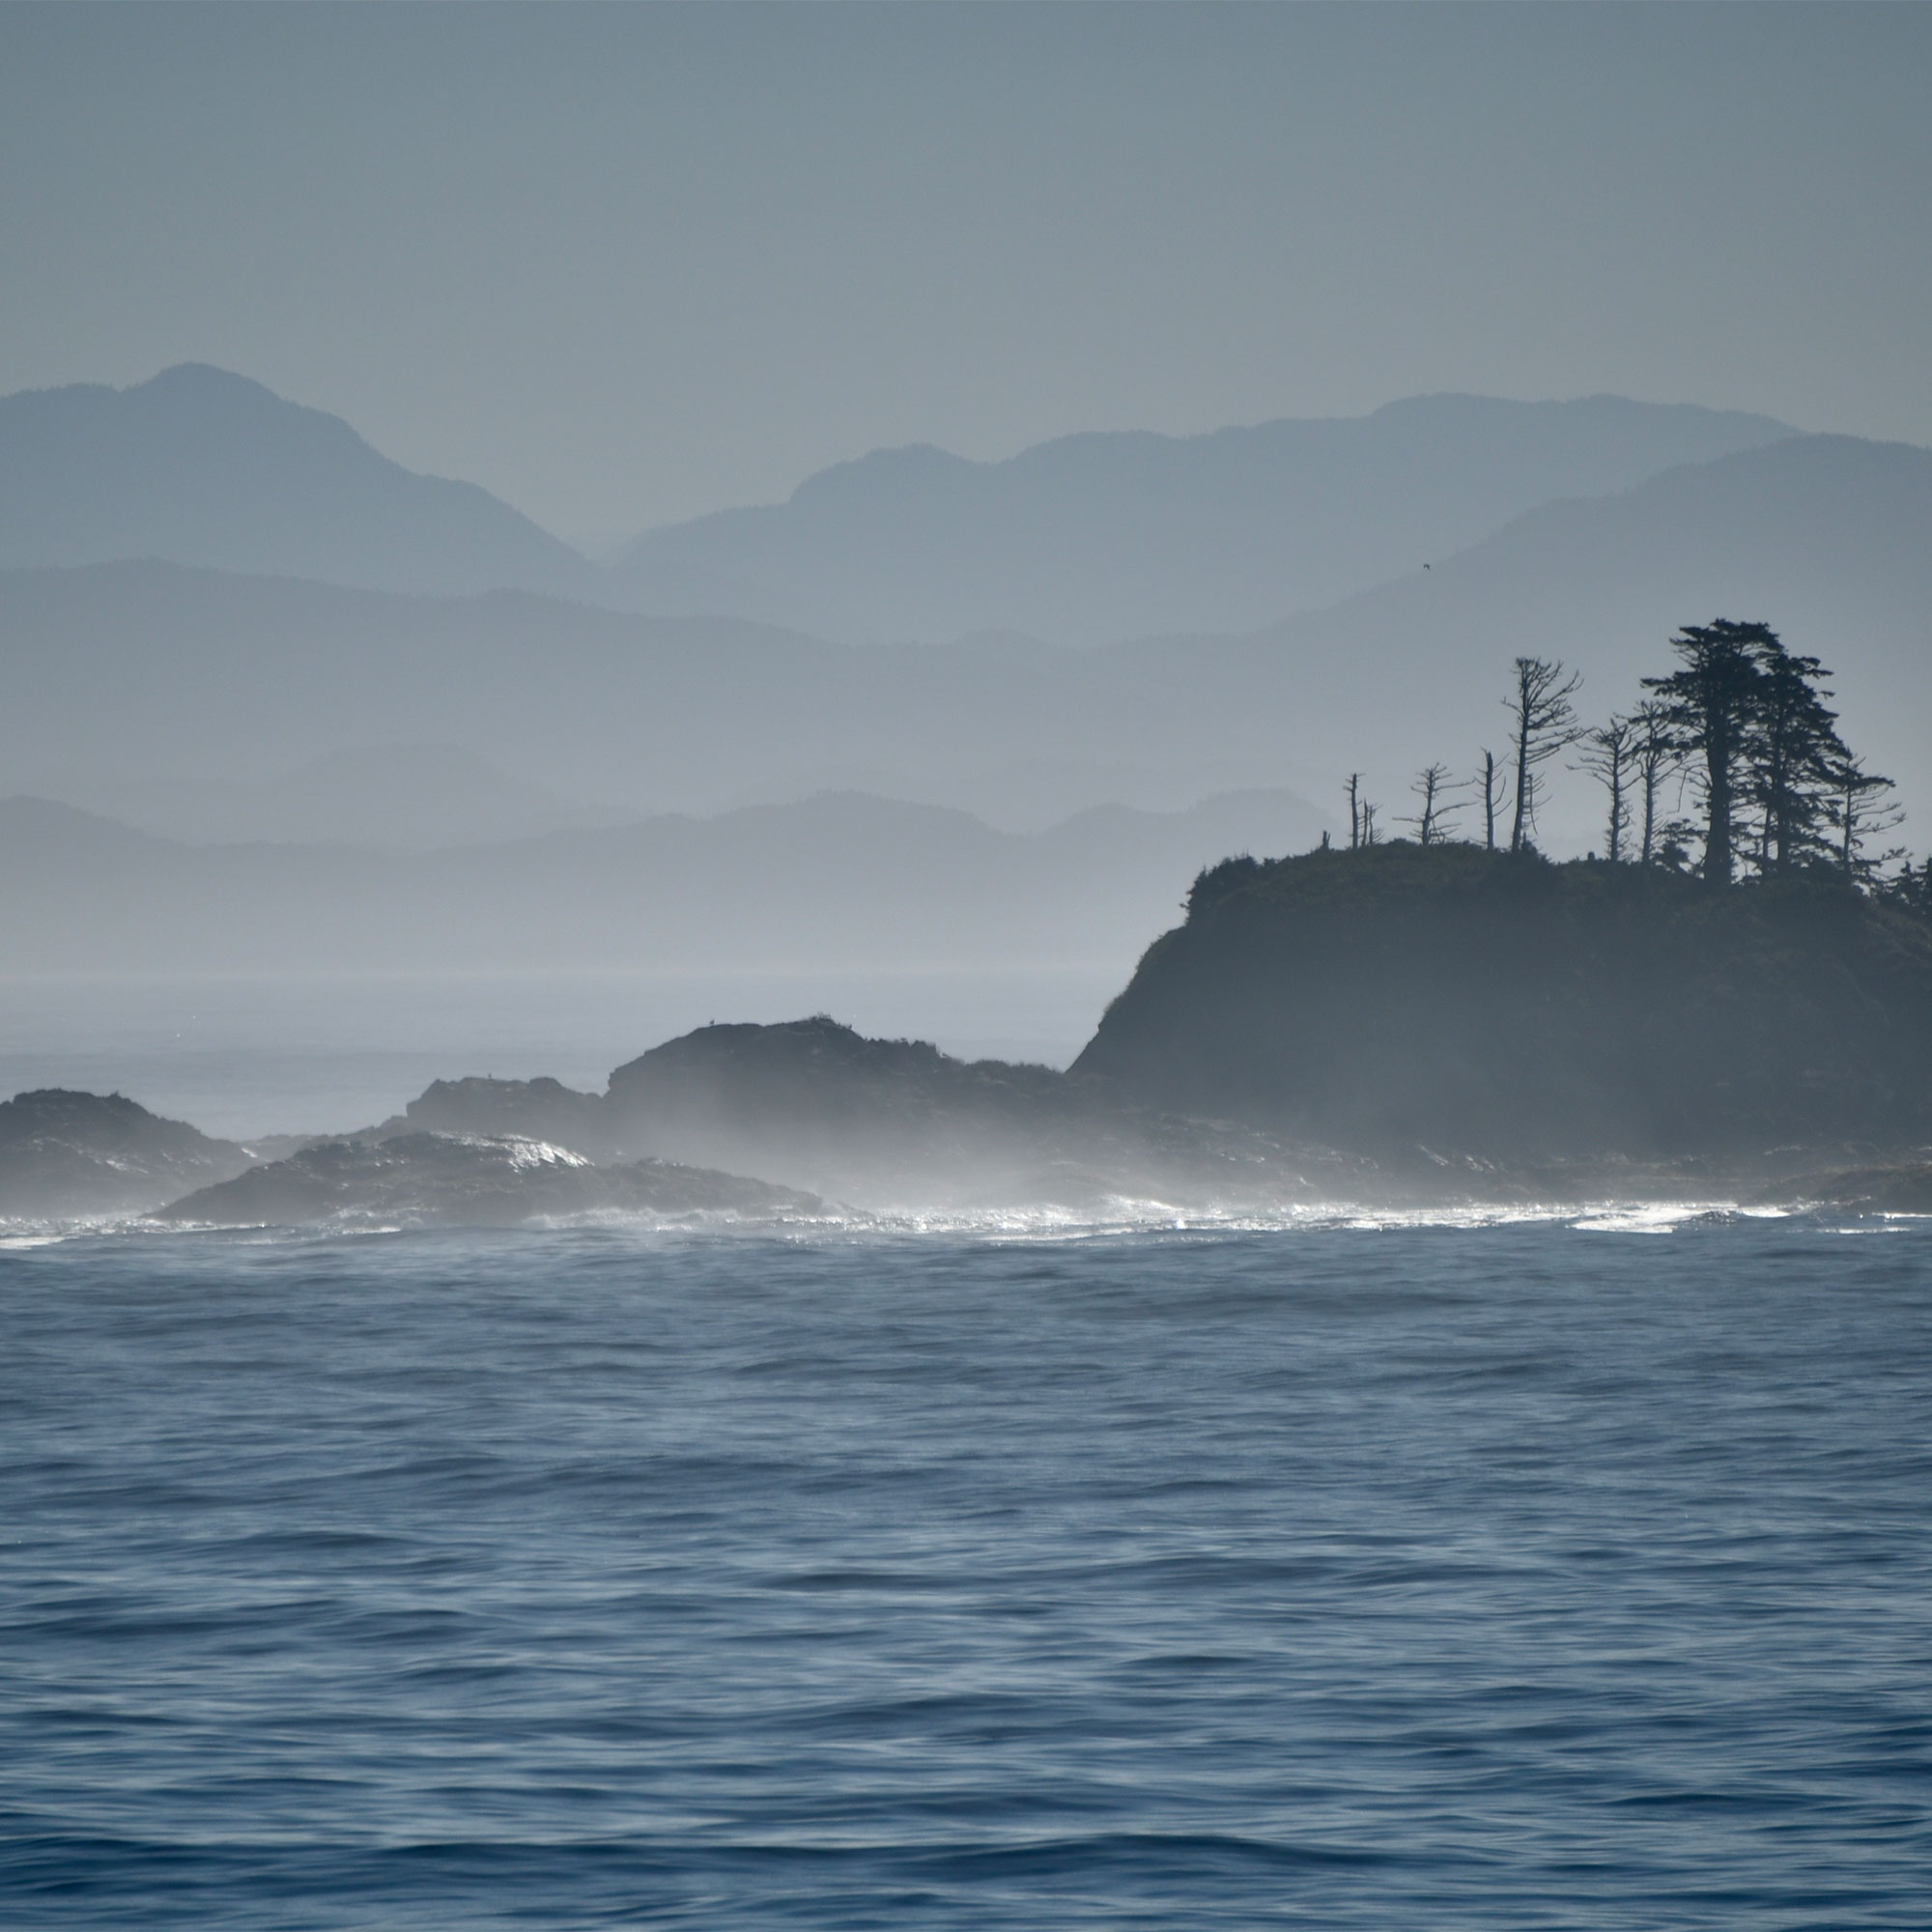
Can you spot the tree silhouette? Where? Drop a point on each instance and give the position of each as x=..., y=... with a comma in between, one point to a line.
x=1609, y=756
x=1431, y=784
x=1862, y=808
x=1708, y=704
x=1655, y=755
x=1793, y=755
x=1542, y=723
x=1355, y=790
x=1485, y=781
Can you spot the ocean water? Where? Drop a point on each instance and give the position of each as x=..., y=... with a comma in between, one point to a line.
x=1537, y=1572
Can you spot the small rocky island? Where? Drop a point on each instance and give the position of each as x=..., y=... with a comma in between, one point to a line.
x=430, y=1181
x=69, y=1154
x=1479, y=1002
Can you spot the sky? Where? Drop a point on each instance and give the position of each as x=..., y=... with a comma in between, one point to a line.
x=624, y=264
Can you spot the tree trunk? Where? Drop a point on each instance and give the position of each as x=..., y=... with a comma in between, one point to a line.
x=1717, y=862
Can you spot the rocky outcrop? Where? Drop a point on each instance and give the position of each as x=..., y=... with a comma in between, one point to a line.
x=542, y=1109
x=897, y=1121
x=1903, y=1189
x=65, y=1155
x=818, y=1104
x=815, y=1105
x=425, y=1180
x=1468, y=1003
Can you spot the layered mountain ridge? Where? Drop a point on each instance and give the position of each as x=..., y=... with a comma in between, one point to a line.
x=1083, y=540
x=154, y=672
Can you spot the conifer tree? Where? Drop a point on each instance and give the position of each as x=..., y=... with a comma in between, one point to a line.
x=1793, y=756
x=1708, y=707
x=1862, y=808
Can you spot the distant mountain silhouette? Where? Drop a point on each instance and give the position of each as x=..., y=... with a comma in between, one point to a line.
x=1828, y=539
x=841, y=881
x=144, y=670
x=400, y=797
x=201, y=466
x=1081, y=541
x=1092, y=539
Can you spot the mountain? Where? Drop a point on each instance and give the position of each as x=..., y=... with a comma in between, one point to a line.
x=1092, y=539
x=401, y=797
x=145, y=670
x=842, y=882
x=1084, y=540
x=201, y=466
x=1828, y=539
x=1480, y=1005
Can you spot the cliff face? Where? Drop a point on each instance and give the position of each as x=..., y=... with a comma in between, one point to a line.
x=1475, y=1003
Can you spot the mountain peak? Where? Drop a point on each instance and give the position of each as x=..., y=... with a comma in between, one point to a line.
x=200, y=466
x=1100, y=537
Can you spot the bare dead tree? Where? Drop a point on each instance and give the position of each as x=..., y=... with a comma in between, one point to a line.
x=1543, y=722
x=1355, y=790
x=1608, y=756
x=1369, y=822
x=1431, y=786
x=1485, y=783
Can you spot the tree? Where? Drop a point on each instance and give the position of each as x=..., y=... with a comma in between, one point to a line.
x=1910, y=891
x=1708, y=705
x=1485, y=781
x=1862, y=808
x=1655, y=754
x=1542, y=723
x=1792, y=754
x=1431, y=783
x=1355, y=790
x=1368, y=823
x=1610, y=754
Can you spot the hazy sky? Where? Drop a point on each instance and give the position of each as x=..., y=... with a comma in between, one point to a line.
x=626, y=264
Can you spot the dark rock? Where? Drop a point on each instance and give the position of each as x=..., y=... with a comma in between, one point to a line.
x=66, y=1153
x=542, y=1110
x=430, y=1180
x=1473, y=1002
x=820, y=1104
x=897, y=1121
x=1905, y=1189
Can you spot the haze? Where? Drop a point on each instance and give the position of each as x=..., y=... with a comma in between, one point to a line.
x=780, y=508
x=624, y=266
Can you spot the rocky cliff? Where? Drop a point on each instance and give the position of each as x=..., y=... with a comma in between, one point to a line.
x=1473, y=1002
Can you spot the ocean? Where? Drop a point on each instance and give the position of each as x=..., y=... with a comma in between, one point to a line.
x=1508, y=1572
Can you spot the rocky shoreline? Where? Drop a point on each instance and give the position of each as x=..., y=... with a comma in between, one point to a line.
x=774, y=1123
